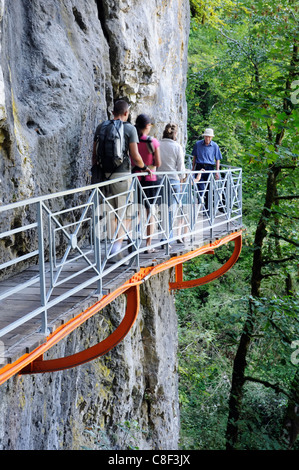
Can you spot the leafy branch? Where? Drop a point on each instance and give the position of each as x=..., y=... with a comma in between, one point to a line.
x=275, y=387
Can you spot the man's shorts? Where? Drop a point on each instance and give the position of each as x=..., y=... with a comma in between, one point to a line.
x=125, y=200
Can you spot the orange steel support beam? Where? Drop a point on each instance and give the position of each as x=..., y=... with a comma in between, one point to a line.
x=52, y=365
x=33, y=362
x=60, y=333
x=181, y=284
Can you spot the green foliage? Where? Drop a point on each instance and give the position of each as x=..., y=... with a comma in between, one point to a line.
x=211, y=12
x=241, y=82
x=262, y=419
x=237, y=77
x=208, y=331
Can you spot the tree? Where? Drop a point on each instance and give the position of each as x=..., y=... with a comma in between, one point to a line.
x=276, y=120
x=210, y=12
x=243, y=82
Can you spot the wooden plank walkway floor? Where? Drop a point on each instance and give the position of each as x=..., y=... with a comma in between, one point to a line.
x=27, y=337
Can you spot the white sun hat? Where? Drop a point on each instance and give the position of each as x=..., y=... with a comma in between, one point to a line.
x=209, y=132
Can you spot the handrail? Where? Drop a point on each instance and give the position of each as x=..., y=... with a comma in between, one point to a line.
x=82, y=224
x=34, y=362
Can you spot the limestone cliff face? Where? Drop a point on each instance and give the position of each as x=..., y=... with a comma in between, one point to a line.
x=63, y=62
x=128, y=398
x=62, y=65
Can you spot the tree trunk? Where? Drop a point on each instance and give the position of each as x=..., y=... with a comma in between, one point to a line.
x=239, y=367
x=238, y=380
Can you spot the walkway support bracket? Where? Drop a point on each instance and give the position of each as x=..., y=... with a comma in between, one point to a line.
x=52, y=365
x=181, y=284
x=34, y=361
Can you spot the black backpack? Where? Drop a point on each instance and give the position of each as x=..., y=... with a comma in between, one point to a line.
x=110, y=145
x=148, y=142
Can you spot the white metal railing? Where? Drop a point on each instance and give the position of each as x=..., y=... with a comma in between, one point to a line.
x=81, y=224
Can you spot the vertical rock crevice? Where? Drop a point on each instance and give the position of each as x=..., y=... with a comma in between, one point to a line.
x=63, y=63
x=102, y=13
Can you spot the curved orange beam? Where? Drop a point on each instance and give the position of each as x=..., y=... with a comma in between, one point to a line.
x=52, y=365
x=27, y=362
x=180, y=284
x=60, y=333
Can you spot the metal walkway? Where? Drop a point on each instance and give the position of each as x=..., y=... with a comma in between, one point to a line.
x=61, y=248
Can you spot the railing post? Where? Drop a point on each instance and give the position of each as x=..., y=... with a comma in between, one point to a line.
x=136, y=234
x=240, y=193
x=167, y=211
x=41, y=258
x=192, y=198
x=97, y=239
x=211, y=199
x=230, y=197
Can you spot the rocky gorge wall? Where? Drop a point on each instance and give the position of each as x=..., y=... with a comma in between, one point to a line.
x=127, y=398
x=63, y=63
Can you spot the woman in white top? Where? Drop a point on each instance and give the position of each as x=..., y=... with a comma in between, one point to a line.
x=172, y=159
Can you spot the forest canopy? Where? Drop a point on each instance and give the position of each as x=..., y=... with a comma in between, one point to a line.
x=239, y=338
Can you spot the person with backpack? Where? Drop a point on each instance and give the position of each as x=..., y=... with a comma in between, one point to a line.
x=115, y=141
x=148, y=147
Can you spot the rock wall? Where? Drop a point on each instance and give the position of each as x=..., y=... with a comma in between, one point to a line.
x=127, y=398
x=63, y=63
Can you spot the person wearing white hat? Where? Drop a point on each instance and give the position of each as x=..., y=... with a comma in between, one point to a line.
x=206, y=152
x=206, y=155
